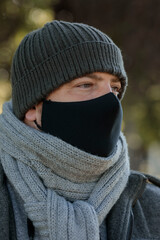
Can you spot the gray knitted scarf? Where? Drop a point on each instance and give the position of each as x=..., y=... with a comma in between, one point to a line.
x=67, y=192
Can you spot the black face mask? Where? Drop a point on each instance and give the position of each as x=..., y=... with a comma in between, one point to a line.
x=93, y=125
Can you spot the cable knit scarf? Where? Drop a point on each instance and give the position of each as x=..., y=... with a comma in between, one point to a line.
x=67, y=192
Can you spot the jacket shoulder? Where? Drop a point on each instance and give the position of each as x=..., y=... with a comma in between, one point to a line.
x=150, y=193
x=134, y=216
x=146, y=210
x=152, y=190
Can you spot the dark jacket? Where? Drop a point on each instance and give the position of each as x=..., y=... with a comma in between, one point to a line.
x=135, y=216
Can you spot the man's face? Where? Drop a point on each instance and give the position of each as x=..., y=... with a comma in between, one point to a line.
x=80, y=89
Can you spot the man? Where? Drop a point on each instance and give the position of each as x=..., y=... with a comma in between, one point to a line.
x=64, y=161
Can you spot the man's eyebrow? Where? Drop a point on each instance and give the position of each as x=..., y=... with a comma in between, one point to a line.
x=95, y=76
x=116, y=79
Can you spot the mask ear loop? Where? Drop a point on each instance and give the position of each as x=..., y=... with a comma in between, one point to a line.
x=37, y=125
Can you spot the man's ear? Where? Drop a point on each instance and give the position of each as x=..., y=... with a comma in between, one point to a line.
x=33, y=114
x=30, y=115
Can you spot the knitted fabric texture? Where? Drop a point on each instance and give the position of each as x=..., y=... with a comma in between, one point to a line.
x=57, y=53
x=67, y=192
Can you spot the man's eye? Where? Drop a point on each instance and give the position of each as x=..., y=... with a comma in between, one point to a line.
x=85, y=85
x=116, y=89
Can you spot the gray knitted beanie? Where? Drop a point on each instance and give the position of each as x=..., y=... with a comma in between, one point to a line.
x=58, y=53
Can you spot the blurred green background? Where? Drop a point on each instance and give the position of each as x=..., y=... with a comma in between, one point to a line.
x=135, y=27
